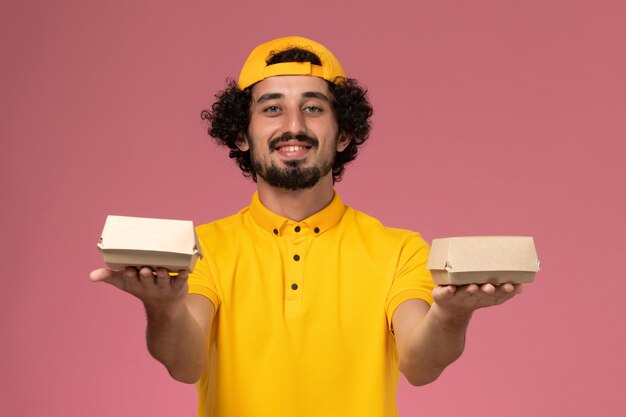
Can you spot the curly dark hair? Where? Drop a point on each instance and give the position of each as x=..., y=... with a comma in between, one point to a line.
x=229, y=116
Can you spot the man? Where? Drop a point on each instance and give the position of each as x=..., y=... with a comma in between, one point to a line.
x=301, y=306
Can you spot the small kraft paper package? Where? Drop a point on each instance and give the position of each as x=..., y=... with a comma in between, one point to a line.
x=483, y=259
x=139, y=241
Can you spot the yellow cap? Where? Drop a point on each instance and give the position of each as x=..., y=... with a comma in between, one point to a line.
x=256, y=69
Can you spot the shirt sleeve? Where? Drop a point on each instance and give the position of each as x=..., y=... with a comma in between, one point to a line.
x=412, y=279
x=201, y=280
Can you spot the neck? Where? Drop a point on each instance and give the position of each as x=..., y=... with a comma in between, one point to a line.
x=299, y=204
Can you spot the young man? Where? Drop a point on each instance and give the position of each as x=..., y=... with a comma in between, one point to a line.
x=301, y=306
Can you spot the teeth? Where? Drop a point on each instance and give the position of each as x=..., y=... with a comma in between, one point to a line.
x=292, y=148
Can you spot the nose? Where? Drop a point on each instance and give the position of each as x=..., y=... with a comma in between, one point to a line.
x=295, y=121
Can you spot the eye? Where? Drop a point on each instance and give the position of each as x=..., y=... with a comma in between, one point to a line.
x=271, y=109
x=313, y=109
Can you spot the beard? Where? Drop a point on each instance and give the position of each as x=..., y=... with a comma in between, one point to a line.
x=294, y=176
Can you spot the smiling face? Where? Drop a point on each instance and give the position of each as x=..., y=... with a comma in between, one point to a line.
x=293, y=134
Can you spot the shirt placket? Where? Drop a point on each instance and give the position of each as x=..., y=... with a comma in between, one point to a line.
x=296, y=236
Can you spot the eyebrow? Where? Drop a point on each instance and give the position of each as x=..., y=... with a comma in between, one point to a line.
x=269, y=96
x=315, y=94
x=307, y=94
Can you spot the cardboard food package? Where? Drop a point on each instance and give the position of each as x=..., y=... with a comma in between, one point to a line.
x=483, y=259
x=139, y=241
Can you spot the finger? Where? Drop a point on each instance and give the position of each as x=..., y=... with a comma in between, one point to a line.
x=101, y=274
x=181, y=280
x=162, y=279
x=146, y=276
x=125, y=280
x=505, y=292
x=107, y=275
x=130, y=280
x=131, y=273
x=442, y=292
x=471, y=288
x=507, y=287
x=488, y=288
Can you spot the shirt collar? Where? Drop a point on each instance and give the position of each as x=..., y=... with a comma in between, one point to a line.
x=319, y=222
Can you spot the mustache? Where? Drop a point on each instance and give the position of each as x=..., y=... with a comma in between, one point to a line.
x=286, y=137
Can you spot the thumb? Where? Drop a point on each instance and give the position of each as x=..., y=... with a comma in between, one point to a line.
x=442, y=292
x=106, y=275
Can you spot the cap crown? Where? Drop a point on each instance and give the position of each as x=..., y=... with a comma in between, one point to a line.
x=256, y=69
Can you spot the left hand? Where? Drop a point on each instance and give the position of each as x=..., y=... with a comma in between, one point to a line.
x=463, y=300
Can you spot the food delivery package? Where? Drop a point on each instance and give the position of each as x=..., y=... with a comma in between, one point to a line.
x=139, y=241
x=483, y=259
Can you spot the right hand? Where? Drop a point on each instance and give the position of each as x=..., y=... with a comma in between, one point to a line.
x=156, y=289
x=459, y=302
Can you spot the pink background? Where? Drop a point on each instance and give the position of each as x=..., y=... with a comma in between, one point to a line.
x=492, y=117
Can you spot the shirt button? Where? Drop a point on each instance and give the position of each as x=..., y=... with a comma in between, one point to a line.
x=297, y=229
x=296, y=257
x=294, y=286
x=316, y=230
x=275, y=231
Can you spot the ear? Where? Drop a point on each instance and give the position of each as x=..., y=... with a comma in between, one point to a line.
x=242, y=143
x=343, y=141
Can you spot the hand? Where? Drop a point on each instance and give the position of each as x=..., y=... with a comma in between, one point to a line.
x=156, y=289
x=462, y=301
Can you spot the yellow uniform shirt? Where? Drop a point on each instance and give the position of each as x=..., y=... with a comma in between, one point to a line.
x=303, y=312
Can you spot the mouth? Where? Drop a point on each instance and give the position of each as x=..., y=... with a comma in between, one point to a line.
x=293, y=146
x=292, y=151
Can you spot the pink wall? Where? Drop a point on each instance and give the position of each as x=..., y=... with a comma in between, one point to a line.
x=492, y=117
